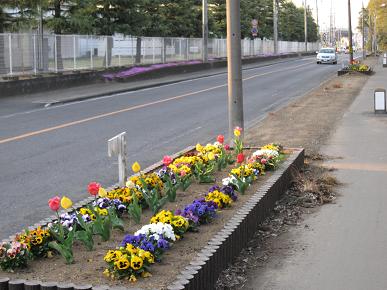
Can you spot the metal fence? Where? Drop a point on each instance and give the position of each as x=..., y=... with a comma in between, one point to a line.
x=35, y=54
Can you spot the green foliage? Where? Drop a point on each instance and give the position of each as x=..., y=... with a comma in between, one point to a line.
x=165, y=18
x=63, y=243
x=135, y=209
x=204, y=173
x=153, y=197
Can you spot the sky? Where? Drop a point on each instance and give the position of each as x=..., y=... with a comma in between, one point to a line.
x=339, y=9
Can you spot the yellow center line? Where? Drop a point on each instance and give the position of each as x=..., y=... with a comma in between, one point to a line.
x=65, y=125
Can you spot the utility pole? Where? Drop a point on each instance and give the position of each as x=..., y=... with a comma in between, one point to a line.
x=234, y=66
x=305, y=27
x=375, y=35
x=205, y=31
x=318, y=25
x=363, y=30
x=350, y=33
x=330, y=27
x=275, y=25
x=40, y=29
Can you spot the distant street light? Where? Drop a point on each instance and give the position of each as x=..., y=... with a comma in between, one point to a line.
x=275, y=25
x=350, y=33
x=205, y=31
x=305, y=27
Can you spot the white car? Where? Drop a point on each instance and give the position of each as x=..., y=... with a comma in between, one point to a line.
x=326, y=55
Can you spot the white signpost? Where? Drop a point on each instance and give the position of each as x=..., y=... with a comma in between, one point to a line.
x=380, y=101
x=117, y=147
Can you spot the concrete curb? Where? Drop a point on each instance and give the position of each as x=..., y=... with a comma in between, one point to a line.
x=203, y=271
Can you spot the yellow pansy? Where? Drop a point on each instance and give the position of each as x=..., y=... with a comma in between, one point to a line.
x=122, y=263
x=136, y=262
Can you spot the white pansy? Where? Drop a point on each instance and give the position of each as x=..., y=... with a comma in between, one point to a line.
x=266, y=152
x=154, y=230
x=229, y=180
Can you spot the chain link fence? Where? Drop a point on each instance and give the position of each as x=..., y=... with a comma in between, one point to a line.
x=34, y=54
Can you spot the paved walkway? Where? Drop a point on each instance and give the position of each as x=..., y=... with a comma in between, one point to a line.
x=345, y=245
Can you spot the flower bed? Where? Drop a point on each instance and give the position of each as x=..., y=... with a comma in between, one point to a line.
x=202, y=207
x=356, y=66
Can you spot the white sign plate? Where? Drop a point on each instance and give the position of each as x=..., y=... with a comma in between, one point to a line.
x=379, y=101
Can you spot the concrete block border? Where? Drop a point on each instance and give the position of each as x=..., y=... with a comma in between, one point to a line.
x=204, y=269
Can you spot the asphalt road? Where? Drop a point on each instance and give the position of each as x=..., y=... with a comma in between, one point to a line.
x=59, y=150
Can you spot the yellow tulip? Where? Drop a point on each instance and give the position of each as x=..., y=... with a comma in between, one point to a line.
x=136, y=167
x=102, y=192
x=66, y=203
x=211, y=156
x=237, y=133
x=199, y=147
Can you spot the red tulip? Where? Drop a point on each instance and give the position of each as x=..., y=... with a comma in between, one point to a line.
x=227, y=147
x=93, y=188
x=263, y=161
x=240, y=158
x=220, y=139
x=167, y=160
x=54, y=203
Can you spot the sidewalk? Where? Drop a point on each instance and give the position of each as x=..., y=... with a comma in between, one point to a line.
x=344, y=245
x=109, y=88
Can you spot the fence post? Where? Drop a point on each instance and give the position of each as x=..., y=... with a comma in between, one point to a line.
x=162, y=50
x=132, y=51
x=187, y=48
x=10, y=53
x=74, y=50
x=106, y=52
x=153, y=50
x=55, y=53
x=91, y=54
x=143, y=47
x=34, y=41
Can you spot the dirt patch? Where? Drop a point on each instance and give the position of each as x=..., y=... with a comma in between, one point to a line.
x=313, y=187
x=306, y=122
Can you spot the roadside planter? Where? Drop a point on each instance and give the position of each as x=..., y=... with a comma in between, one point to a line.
x=175, y=225
x=356, y=67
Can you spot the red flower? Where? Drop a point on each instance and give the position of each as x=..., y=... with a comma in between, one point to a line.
x=93, y=188
x=263, y=161
x=227, y=147
x=183, y=173
x=220, y=139
x=167, y=160
x=54, y=203
x=240, y=158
